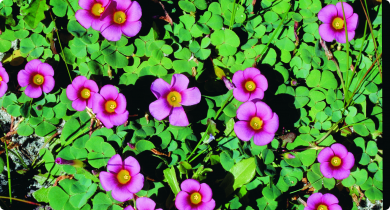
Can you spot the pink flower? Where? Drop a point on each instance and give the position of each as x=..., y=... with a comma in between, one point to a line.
x=333, y=19
x=121, y=16
x=91, y=12
x=336, y=161
x=257, y=120
x=81, y=92
x=194, y=196
x=171, y=98
x=110, y=106
x=123, y=178
x=250, y=84
x=37, y=76
x=319, y=201
x=144, y=203
x=3, y=80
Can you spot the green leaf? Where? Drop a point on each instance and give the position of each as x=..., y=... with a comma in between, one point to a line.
x=243, y=172
x=268, y=156
x=99, y=151
x=76, y=29
x=271, y=192
x=45, y=129
x=5, y=45
x=226, y=161
x=144, y=145
x=34, y=13
x=57, y=198
x=25, y=130
x=372, y=148
x=187, y=6
x=308, y=157
x=170, y=176
x=42, y=195
x=116, y=59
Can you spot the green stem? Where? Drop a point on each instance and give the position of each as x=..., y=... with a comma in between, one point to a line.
x=347, y=42
x=8, y=172
x=224, y=104
x=16, y=199
x=233, y=14
x=201, y=140
x=70, y=6
x=198, y=154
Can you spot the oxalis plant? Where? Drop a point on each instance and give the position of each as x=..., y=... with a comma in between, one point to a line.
x=191, y=104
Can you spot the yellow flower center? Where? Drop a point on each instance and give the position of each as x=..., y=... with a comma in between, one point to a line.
x=336, y=161
x=256, y=123
x=195, y=198
x=110, y=106
x=85, y=93
x=119, y=17
x=123, y=176
x=338, y=23
x=97, y=9
x=1, y=78
x=250, y=85
x=322, y=207
x=38, y=79
x=174, y=99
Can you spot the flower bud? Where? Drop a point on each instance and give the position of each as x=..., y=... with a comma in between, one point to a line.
x=75, y=163
x=288, y=156
x=294, y=82
x=132, y=146
x=228, y=84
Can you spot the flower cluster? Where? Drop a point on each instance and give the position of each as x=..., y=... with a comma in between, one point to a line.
x=113, y=18
x=319, y=201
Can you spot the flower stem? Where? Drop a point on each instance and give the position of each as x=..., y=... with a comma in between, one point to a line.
x=17, y=199
x=347, y=42
x=223, y=105
x=8, y=172
x=198, y=154
x=201, y=140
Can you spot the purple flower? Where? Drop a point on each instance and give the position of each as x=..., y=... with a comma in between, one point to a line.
x=319, y=201
x=123, y=178
x=194, y=196
x=257, y=120
x=91, y=12
x=143, y=203
x=121, y=17
x=228, y=84
x=336, y=161
x=75, y=163
x=3, y=80
x=81, y=92
x=37, y=76
x=333, y=19
x=170, y=99
x=110, y=106
x=250, y=84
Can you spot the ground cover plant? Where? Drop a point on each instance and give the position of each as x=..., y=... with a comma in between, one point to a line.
x=191, y=104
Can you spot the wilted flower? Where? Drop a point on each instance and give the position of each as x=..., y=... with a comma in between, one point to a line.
x=91, y=12
x=257, y=120
x=37, y=76
x=75, y=163
x=171, y=98
x=250, y=84
x=81, y=92
x=143, y=203
x=3, y=80
x=194, y=196
x=123, y=178
x=110, y=106
x=121, y=17
x=336, y=161
x=319, y=201
x=333, y=26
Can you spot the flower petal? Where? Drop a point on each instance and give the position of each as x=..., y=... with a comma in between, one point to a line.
x=335, y=207
x=160, y=109
x=98, y=103
x=91, y=85
x=132, y=165
x=179, y=82
x=118, y=119
x=246, y=111
x=97, y=23
x=272, y=125
x=105, y=119
x=341, y=173
x=352, y=22
x=4, y=75
x=79, y=104
x=121, y=103
x=263, y=111
x=90, y=100
x=129, y=207
x=182, y=200
x=134, y=13
x=329, y=199
x=206, y=192
x=108, y=180
x=263, y=138
x=339, y=150
x=314, y=200
x=3, y=88
x=178, y=117
x=45, y=69
x=48, y=84
x=238, y=78
x=251, y=73
x=240, y=94
x=32, y=65
x=258, y=93
x=145, y=203
x=131, y=29
x=190, y=96
x=109, y=92
x=103, y=2
x=121, y=193
x=325, y=155
x=71, y=93
x=85, y=18
x=206, y=205
x=190, y=186
x=348, y=161
x=326, y=170
x=136, y=183
x=348, y=10
x=23, y=78
x=33, y=91
x=111, y=31
x=261, y=82
x=243, y=131
x=326, y=32
x=160, y=88
x=340, y=36
x=122, y=5
x=86, y=4
x=115, y=164
x=327, y=13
